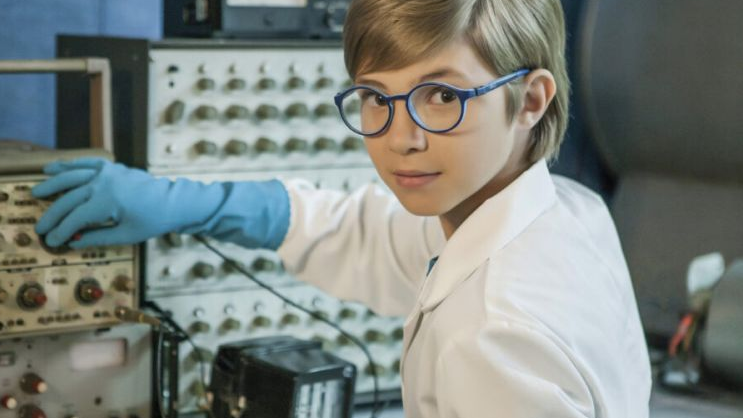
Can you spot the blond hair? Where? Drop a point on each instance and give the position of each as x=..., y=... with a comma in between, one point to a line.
x=507, y=34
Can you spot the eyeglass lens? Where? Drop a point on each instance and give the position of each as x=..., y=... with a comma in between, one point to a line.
x=434, y=107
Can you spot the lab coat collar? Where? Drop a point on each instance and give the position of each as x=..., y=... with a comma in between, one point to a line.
x=489, y=228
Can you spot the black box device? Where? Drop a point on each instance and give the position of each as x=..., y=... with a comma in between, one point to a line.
x=280, y=377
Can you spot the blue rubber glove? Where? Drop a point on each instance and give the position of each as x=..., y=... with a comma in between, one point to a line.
x=139, y=206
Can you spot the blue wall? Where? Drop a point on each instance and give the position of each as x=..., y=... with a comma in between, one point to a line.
x=28, y=29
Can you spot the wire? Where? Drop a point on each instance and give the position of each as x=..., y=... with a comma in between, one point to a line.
x=158, y=369
x=179, y=331
x=377, y=408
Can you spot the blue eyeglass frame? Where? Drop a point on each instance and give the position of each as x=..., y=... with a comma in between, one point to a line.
x=463, y=94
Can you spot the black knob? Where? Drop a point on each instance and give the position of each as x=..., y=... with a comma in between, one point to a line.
x=324, y=83
x=230, y=268
x=265, y=145
x=231, y=324
x=33, y=384
x=202, y=270
x=206, y=113
x=262, y=322
x=296, y=83
x=236, y=84
x=263, y=264
x=88, y=291
x=374, y=336
x=173, y=239
x=31, y=411
x=266, y=84
x=237, y=112
x=372, y=369
x=23, y=239
x=174, y=112
x=199, y=327
x=342, y=340
x=325, y=144
x=236, y=147
x=325, y=110
x=205, y=147
x=353, y=143
x=347, y=313
x=206, y=84
x=4, y=197
x=31, y=296
x=297, y=110
x=265, y=112
x=289, y=319
x=296, y=145
x=397, y=334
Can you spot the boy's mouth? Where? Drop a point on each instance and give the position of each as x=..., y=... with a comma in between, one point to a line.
x=414, y=178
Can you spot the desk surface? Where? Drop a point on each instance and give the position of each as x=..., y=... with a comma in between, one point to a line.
x=662, y=405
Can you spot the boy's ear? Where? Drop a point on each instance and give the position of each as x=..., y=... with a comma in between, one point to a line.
x=539, y=90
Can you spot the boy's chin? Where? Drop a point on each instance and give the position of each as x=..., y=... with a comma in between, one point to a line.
x=421, y=207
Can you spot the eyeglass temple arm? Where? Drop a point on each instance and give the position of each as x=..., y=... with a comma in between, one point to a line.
x=501, y=81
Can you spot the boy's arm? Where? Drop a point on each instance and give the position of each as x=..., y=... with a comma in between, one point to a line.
x=510, y=370
x=361, y=246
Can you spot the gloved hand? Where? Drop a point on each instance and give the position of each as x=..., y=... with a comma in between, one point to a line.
x=139, y=206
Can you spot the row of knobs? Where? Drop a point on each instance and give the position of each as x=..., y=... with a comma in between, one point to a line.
x=267, y=146
x=21, y=239
x=88, y=291
x=206, y=113
x=371, y=336
x=32, y=384
x=207, y=85
x=204, y=270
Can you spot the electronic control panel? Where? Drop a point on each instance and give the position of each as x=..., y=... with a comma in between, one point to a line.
x=228, y=110
x=46, y=290
x=213, y=105
x=179, y=264
x=82, y=374
x=249, y=110
x=218, y=318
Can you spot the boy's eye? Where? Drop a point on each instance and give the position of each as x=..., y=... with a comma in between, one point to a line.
x=368, y=96
x=442, y=95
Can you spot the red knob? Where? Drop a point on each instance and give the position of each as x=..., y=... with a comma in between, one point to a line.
x=33, y=384
x=89, y=291
x=8, y=402
x=32, y=297
x=31, y=411
x=40, y=299
x=95, y=293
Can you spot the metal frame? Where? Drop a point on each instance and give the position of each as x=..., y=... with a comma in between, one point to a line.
x=99, y=71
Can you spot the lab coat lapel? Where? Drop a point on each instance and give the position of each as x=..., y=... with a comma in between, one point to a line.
x=490, y=227
x=496, y=222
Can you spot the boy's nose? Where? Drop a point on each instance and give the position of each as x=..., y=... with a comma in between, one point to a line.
x=404, y=136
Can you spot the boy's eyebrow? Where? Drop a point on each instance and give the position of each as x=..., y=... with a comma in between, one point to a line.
x=438, y=73
x=442, y=72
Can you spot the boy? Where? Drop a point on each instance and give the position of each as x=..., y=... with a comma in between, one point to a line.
x=519, y=299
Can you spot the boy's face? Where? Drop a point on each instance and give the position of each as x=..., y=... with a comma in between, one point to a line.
x=448, y=174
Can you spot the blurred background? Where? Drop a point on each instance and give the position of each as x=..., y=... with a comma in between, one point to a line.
x=237, y=90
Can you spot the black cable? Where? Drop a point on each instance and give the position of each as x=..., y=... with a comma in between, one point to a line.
x=158, y=368
x=377, y=408
x=165, y=317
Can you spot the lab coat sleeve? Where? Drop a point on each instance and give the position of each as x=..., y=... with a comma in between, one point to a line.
x=509, y=370
x=362, y=246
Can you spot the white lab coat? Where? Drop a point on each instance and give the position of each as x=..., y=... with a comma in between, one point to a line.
x=529, y=311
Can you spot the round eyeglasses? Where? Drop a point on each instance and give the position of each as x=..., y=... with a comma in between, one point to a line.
x=435, y=107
